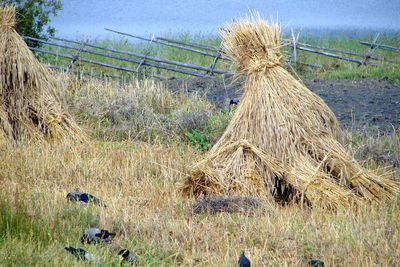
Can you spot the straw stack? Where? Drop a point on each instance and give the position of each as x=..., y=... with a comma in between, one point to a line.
x=29, y=105
x=282, y=142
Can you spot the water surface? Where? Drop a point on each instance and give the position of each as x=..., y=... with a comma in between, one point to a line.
x=89, y=17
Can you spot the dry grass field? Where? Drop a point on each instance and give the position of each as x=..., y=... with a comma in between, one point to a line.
x=137, y=142
x=136, y=158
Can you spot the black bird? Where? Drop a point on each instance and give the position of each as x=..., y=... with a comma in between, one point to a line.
x=127, y=257
x=82, y=254
x=96, y=235
x=243, y=261
x=316, y=263
x=84, y=198
x=234, y=101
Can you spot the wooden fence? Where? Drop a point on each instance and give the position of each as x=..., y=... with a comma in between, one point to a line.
x=343, y=55
x=138, y=60
x=144, y=59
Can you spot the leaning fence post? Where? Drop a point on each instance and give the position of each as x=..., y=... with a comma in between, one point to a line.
x=372, y=48
x=293, y=57
x=77, y=55
x=294, y=52
x=148, y=49
x=214, y=63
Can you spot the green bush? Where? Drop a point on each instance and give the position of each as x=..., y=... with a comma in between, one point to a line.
x=33, y=16
x=198, y=139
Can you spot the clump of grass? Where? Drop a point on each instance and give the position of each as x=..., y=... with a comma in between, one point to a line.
x=198, y=139
x=377, y=150
x=17, y=223
x=141, y=110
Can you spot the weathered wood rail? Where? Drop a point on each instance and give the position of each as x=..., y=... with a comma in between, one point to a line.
x=201, y=46
x=145, y=57
x=319, y=50
x=172, y=43
x=216, y=53
x=381, y=46
x=70, y=70
x=168, y=44
x=345, y=52
x=350, y=59
x=147, y=63
x=92, y=62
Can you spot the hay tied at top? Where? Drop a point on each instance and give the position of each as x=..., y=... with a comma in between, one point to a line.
x=30, y=107
x=282, y=142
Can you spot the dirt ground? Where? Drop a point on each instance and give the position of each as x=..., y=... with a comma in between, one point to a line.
x=356, y=103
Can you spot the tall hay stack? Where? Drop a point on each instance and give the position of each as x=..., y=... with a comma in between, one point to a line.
x=29, y=105
x=282, y=142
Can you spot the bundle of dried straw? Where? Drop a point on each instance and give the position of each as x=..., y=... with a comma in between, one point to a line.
x=282, y=142
x=29, y=105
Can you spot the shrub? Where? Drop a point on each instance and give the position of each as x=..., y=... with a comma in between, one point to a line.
x=33, y=16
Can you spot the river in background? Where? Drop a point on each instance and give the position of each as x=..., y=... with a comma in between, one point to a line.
x=88, y=18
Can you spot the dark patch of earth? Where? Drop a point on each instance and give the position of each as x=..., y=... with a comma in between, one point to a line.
x=356, y=103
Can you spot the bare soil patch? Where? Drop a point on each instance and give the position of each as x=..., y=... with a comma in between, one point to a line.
x=356, y=103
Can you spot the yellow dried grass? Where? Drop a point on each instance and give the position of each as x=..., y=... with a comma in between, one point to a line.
x=30, y=107
x=282, y=142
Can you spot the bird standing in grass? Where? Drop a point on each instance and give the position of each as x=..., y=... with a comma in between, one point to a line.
x=96, y=235
x=243, y=261
x=234, y=101
x=127, y=257
x=84, y=198
x=316, y=263
x=82, y=254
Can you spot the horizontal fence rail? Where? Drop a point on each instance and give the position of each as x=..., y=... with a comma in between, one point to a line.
x=201, y=46
x=361, y=62
x=168, y=44
x=366, y=57
x=66, y=69
x=212, y=49
x=344, y=52
x=315, y=51
x=92, y=62
x=171, y=62
x=380, y=46
x=147, y=63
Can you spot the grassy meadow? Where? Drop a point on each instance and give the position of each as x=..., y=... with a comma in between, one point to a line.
x=142, y=141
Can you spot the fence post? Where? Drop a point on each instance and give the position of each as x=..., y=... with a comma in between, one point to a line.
x=372, y=48
x=293, y=57
x=214, y=63
x=77, y=55
x=148, y=49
